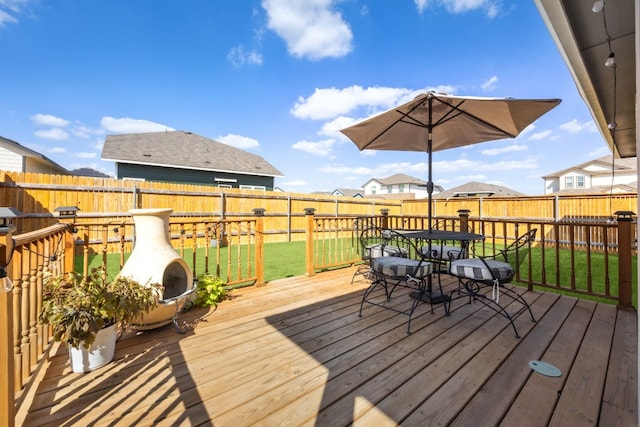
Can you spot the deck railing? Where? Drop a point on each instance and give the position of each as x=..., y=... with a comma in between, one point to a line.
x=565, y=257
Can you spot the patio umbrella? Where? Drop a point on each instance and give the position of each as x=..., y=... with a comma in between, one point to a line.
x=433, y=122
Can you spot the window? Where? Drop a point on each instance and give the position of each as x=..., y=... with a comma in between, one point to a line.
x=253, y=187
x=224, y=186
x=568, y=182
x=389, y=188
x=401, y=188
x=580, y=181
x=373, y=189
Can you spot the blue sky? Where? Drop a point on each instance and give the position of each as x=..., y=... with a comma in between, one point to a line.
x=280, y=78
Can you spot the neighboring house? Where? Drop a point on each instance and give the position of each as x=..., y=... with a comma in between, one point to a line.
x=602, y=175
x=399, y=186
x=348, y=192
x=478, y=189
x=186, y=157
x=89, y=173
x=18, y=158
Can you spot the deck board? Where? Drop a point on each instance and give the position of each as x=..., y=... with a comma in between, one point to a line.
x=296, y=352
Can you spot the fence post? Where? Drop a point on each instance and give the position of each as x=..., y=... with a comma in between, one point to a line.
x=625, y=219
x=259, y=214
x=310, y=255
x=384, y=221
x=7, y=365
x=463, y=214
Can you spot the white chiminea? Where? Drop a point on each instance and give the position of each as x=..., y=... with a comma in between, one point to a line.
x=154, y=260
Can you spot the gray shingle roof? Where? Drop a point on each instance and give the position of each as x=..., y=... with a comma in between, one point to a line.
x=400, y=178
x=184, y=150
x=474, y=189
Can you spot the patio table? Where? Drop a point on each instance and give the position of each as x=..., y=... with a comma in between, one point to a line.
x=435, y=239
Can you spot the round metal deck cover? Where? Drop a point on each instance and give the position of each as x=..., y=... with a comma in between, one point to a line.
x=545, y=368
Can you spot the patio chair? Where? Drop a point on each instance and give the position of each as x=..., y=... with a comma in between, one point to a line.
x=495, y=271
x=395, y=262
x=359, y=226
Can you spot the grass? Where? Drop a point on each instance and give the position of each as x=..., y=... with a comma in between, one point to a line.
x=288, y=259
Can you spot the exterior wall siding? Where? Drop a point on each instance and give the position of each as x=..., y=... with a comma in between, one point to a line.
x=189, y=176
x=10, y=161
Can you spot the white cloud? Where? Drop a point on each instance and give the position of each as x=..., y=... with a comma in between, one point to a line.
x=333, y=102
x=9, y=9
x=574, y=126
x=53, y=133
x=57, y=150
x=421, y=5
x=129, y=125
x=238, y=141
x=238, y=56
x=86, y=155
x=490, y=84
x=346, y=170
x=320, y=148
x=48, y=120
x=507, y=149
x=540, y=135
x=311, y=29
x=460, y=6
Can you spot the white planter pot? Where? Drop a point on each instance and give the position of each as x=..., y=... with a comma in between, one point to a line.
x=100, y=353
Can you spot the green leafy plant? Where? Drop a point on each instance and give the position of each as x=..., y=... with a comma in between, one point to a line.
x=211, y=290
x=77, y=307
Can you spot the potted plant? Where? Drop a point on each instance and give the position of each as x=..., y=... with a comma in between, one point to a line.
x=84, y=312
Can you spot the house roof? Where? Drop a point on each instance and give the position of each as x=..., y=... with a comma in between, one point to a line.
x=185, y=150
x=627, y=164
x=34, y=155
x=585, y=39
x=90, y=173
x=478, y=189
x=349, y=192
x=399, y=178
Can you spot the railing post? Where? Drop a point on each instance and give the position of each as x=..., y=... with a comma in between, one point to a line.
x=463, y=214
x=259, y=214
x=625, y=219
x=7, y=365
x=310, y=255
x=384, y=222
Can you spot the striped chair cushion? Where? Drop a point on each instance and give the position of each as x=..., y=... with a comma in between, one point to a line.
x=437, y=251
x=393, y=266
x=377, y=250
x=474, y=268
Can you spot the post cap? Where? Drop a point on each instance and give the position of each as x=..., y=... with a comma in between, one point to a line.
x=624, y=215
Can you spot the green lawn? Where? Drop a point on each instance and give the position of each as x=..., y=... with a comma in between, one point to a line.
x=288, y=259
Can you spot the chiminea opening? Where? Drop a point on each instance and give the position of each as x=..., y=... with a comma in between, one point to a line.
x=174, y=280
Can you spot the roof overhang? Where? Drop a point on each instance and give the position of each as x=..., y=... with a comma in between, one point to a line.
x=585, y=43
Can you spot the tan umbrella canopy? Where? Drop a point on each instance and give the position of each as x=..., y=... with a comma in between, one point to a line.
x=433, y=122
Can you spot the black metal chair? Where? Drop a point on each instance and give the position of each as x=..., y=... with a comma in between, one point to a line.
x=496, y=271
x=394, y=261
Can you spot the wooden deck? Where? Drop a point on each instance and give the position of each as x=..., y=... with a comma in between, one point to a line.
x=295, y=352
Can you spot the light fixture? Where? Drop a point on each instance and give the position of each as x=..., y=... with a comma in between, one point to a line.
x=612, y=125
x=611, y=60
x=70, y=212
x=597, y=6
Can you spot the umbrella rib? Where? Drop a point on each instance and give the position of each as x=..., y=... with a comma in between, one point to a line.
x=411, y=121
x=459, y=111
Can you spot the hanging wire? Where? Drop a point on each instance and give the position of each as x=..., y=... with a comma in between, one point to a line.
x=612, y=124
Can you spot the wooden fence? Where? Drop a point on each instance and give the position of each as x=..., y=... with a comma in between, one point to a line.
x=38, y=196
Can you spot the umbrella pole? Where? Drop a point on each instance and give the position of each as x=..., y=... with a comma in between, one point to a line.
x=430, y=152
